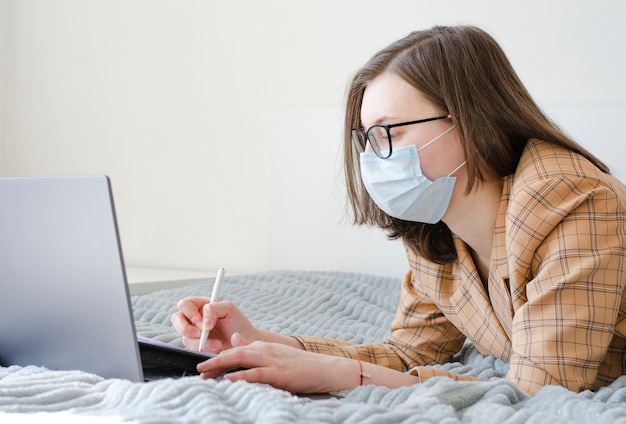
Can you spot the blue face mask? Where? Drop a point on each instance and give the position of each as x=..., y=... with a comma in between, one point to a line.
x=399, y=188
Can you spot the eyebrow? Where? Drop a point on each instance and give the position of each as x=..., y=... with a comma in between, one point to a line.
x=379, y=121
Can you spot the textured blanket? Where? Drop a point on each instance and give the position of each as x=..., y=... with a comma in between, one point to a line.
x=353, y=307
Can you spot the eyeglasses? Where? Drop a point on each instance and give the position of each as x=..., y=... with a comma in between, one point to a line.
x=380, y=136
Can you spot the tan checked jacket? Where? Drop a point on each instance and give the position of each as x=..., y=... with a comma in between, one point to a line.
x=555, y=305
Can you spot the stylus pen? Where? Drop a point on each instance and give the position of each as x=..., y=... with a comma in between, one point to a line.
x=214, y=296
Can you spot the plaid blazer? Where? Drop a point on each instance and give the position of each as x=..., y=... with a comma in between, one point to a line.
x=554, y=305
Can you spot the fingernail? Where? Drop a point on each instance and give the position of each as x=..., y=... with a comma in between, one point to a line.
x=206, y=324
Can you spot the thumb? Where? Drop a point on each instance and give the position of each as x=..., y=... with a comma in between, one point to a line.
x=237, y=340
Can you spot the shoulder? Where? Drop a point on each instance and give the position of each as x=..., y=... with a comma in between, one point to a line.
x=555, y=176
x=543, y=161
x=552, y=183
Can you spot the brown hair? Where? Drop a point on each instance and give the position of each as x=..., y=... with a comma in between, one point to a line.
x=463, y=70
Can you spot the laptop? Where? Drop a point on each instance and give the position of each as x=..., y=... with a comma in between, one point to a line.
x=64, y=298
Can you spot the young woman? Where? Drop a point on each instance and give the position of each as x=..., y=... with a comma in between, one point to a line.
x=515, y=234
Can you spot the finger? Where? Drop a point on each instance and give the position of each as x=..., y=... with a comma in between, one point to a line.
x=251, y=375
x=215, y=311
x=213, y=346
x=228, y=360
x=237, y=340
x=191, y=343
x=238, y=364
x=208, y=370
x=183, y=326
x=191, y=307
x=209, y=318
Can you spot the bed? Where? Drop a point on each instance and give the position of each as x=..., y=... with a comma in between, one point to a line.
x=350, y=306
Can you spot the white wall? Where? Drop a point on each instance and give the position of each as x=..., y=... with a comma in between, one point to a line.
x=4, y=57
x=219, y=122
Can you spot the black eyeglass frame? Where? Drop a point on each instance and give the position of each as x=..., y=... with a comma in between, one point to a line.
x=359, y=136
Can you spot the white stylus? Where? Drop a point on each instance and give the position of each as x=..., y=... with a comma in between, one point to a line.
x=214, y=296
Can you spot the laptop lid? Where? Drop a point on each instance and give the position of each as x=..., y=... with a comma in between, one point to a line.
x=64, y=301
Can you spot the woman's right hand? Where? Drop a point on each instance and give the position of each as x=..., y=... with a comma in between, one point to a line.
x=221, y=319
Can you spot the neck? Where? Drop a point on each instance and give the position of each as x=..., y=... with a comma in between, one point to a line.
x=473, y=218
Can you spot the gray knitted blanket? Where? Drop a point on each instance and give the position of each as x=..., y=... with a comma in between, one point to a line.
x=348, y=306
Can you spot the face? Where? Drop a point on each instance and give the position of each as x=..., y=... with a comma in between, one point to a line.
x=389, y=99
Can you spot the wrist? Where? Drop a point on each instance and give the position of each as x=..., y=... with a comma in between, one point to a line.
x=358, y=373
x=269, y=336
x=362, y=373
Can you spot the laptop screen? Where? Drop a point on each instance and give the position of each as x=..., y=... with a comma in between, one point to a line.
x=64, y=301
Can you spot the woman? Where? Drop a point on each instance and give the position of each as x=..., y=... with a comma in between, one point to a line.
x=514, y=233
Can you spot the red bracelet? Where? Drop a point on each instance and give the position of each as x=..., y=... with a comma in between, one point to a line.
x=361, y=373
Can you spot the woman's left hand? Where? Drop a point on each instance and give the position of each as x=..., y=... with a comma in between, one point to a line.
x=283, y=367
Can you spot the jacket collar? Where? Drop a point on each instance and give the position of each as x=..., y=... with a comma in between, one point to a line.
x=491, y=307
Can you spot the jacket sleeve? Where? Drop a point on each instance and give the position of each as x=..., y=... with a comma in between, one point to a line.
x=420, y=335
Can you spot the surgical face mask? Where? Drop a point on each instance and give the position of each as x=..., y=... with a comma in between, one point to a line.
x=399, y=188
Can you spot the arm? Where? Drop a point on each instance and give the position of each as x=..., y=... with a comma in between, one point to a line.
x=280, y=361
x=420, y=335
x=223, y=319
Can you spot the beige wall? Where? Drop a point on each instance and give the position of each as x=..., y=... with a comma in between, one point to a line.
x=218, y=122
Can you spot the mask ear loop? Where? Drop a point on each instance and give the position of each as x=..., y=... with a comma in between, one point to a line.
x=436, y=138
x=457, y=168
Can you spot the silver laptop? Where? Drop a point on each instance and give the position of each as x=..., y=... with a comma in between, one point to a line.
x=64, y=299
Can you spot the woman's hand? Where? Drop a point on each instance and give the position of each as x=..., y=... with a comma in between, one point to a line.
x=267, y=357
x=283, y=367
x=221, y=319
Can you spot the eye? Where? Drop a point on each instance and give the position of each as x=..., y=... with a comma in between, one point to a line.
x=395, y=134
x=378, y=132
